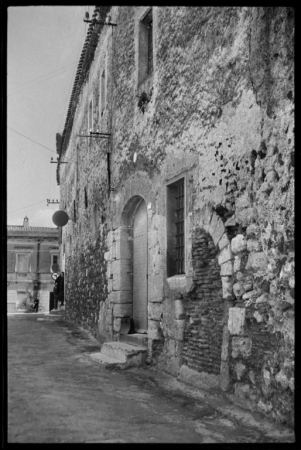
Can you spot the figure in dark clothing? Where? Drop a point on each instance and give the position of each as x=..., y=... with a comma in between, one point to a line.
x=55, y=295
x=59, y=290
x=36, y=305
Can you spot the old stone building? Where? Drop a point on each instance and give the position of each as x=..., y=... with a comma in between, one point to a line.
x=31, y=254
x=179, y=185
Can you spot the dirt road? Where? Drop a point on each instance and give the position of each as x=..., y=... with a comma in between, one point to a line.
x=57, y=393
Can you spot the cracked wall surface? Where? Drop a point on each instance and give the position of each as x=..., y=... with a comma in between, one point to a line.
x=220, y=114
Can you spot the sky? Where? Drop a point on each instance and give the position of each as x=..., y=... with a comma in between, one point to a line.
x=44, y=44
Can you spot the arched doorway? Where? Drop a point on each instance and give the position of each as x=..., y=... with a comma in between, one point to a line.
x=140, y=267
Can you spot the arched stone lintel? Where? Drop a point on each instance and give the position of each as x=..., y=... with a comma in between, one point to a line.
x=215, y=227
x=138, y=186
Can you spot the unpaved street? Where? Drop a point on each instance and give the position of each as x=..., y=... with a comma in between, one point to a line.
x=57, y=393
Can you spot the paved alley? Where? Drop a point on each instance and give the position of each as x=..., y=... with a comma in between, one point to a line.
x=57, y=393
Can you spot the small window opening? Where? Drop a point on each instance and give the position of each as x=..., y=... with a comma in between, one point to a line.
x=145, y=47
x=176, y=228
x=180, y=228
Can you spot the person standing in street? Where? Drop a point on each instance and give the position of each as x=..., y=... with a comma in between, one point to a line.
x=36, y=304
x=58, y=290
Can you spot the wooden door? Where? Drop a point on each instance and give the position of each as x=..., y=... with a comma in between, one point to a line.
x=140, y=268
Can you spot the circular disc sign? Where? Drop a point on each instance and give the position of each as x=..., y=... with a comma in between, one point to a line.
x=54, y=276
x=60, y=218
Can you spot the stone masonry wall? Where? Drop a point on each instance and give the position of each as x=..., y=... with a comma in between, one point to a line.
x=221, y=114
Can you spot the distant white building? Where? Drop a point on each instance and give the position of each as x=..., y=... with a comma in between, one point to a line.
x=32, y=253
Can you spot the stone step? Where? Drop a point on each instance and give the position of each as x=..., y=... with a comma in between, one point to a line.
x=105, y=360
x=130, y=355
x=134, y=339
x=57, y=312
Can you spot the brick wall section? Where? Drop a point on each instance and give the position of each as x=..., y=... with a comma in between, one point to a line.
x=86, y=286
x=204, y=309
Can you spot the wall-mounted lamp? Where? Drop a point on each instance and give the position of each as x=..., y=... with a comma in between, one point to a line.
x=97, y=21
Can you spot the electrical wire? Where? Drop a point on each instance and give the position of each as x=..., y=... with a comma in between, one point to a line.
x=68, y=95
x=43, y=81
x=32, y=204
x=42, y=76
x=38, y=143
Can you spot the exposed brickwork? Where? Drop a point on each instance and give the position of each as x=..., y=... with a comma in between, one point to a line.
x=204, y=308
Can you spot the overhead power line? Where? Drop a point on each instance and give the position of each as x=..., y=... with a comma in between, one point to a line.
x=27, y=206
x=42, y=76
x=32, y=140
x=43, y=81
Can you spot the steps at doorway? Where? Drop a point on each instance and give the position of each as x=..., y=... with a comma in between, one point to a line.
x=120, y=354
x=134, y=339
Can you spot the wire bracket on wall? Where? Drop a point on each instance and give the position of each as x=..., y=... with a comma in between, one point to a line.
x=53, y=202
x=56, y=162
x=96, y=20
x=95, y=134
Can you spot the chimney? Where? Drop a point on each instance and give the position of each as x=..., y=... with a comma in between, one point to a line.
x=25, y=222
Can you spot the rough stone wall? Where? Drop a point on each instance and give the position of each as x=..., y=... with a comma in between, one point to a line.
x=221, y=113
x=204, y=309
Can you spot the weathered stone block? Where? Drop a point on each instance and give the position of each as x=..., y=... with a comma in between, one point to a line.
x=154, y=310
x=122, y=275
x=122, y=309
x=264, y=298
x=238, y=244
x=282, y=379
x=241, y=390
x=225, y=255
x=252, y=229
x=206, y=215
x=217, y=228
x=265, y=407
x=238, y=289
x=257, y=261
x=121, y=297
x=224, y=376
x=117, y=324
x=258, y=316
x=124, y=249
x=155, y=288
x=179, y=310
x=240, y=370
x=253, y=245
x=237, y=263
x=236, y=321
x=154, y=331
x=109, y=317
x=241, y=346
x=266, y=377
x=225, y=344
x=248, y=295
x=227, y=284
x=224, y=241
x=227, y=268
